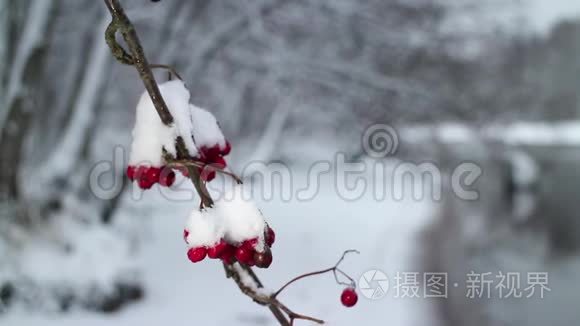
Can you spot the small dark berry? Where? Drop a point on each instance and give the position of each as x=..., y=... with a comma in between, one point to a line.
x=167, y=177
x=270, y=236
x=227, y=149
x=263, y=259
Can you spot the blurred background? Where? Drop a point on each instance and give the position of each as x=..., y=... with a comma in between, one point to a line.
x=491, y=82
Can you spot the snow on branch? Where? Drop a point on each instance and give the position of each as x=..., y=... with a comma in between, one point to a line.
x=179, y=135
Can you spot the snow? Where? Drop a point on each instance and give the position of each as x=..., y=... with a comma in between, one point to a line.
x=452, y=132
x=68, y=255
x=248, y=281
x=241, y=217
x=205, y=228
x=525, y=169
x=206, y=130
x=235, y=218
x=311, y=235
x=151, y=136
x=520, y=133
x=30, y=41
x=538, y=133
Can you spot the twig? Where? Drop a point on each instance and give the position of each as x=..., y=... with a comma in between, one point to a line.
x=266, y=300
x=332, y=269
x=166, y=67
x=201, y=165
x=121, y=23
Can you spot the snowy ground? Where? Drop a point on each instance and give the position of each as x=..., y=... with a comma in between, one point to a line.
x=311, y=235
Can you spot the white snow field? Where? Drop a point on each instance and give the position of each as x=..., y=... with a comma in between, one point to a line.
x=310, y=235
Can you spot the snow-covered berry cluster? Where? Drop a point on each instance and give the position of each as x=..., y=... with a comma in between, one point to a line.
x=153, y=141
x=232, y=230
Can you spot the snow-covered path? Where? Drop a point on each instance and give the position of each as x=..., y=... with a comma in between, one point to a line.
x=311, y=235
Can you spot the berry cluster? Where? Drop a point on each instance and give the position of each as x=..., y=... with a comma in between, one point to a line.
x=247, y=252
x=212, y=159
x=147, y=176
x=194, y=139
x=349, y=297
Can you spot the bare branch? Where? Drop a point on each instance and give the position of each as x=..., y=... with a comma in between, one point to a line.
x=121, y=23
x=332, y=269
x=169, y=68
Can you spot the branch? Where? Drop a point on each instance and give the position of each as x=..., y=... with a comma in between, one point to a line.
x=200, y=165
x=334, y=269
x=245, y=278
x=169, y=68
x=236, y=270
x=121, y=23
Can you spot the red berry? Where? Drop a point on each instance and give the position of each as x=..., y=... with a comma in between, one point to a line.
x=131, y=172
x=209, y=153
x=185, y=235
x=228, y=254
x=219, y=162
x=207, y=174
x=244, y=255
x=167, y=178
x=153, y=174
x=196, y=254
x=140, y=172
x=145, y=183
x=226, y=150
x=348, y=297
x=217, y=250
x=270, y=236
x=146, y=176
x=263, y=259
x=250, y=244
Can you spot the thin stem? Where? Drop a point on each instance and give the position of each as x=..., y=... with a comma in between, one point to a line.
x=169, y=68
x=332, y=269
x=297, y=278
x=294, y=315
x=202, y=165
x=121, y=23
